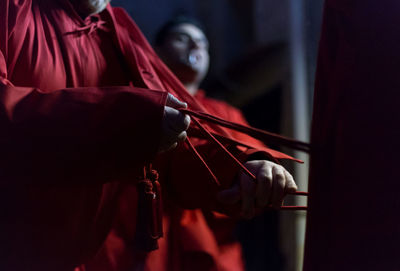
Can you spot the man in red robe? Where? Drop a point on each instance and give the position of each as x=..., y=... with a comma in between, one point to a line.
x=353, y=221
x=197, y=239
x=83, y=109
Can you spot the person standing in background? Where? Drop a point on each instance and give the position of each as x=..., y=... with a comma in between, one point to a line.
x=199, y=238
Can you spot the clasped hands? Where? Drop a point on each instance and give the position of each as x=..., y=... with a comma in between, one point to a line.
x=273, y=181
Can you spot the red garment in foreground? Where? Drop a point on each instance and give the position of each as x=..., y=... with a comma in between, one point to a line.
x=195, y=239
x=199, y=240
x=353, y=211
x=73, y=128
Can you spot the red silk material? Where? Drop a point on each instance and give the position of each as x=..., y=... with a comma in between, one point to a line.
x=353, y=221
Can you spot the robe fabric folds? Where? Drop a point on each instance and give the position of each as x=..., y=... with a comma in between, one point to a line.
x=81, y=106
x=201, y=239
x=353, y=218
x=194, y=239
x=71, y=128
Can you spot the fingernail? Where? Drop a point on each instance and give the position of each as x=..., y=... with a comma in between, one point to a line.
x=187, y=120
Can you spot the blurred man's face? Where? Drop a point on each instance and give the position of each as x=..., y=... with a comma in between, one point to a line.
x=185, y=51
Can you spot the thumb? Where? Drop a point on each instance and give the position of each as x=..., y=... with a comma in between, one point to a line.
x=230, y=196
x=173, y=102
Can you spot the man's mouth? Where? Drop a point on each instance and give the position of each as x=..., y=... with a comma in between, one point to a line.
x=193, y=58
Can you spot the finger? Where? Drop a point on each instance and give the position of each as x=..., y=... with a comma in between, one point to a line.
x=186, y=122
x=291, y=186
x=174, y=102
x=264, y=185
x=168, y=147
x=171, y=138
x=175, y=120
x=173, y=146
x=278, y=186
x=248, y=192
x=182, y=136
x=230, y=196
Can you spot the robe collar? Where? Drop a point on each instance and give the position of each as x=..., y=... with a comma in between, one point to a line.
x=68, y=7
x=88, y=24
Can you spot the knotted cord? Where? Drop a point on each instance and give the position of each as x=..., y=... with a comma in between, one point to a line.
x=91, y=26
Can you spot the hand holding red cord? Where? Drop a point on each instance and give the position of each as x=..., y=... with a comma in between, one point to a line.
x=273, y=183
x=174, y=124
x=262, y=183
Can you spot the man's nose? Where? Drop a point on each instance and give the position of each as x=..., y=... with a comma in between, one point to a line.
x=194, y=44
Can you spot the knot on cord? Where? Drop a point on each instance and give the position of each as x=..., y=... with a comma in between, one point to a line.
x=92, y=23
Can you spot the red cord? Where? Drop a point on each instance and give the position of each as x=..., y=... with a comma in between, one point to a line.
x=251, y=175
x=254, y=132
x=248, y=130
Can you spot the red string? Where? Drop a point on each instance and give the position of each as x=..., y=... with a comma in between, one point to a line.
x=251, y=175
x=191, y=147
x=254, y=132
x=224, y=139
x=236, y=161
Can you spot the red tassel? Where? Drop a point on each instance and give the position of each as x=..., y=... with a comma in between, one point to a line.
x=149, y=218
x=158, y=226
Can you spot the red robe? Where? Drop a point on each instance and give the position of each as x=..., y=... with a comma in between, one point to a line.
x=353, y=220
x=195, y=239
x=81, y=104
x=67, y=135
x=201, y=239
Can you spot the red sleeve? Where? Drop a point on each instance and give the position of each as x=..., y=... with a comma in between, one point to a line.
x=73, y=134
x=76, y=134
